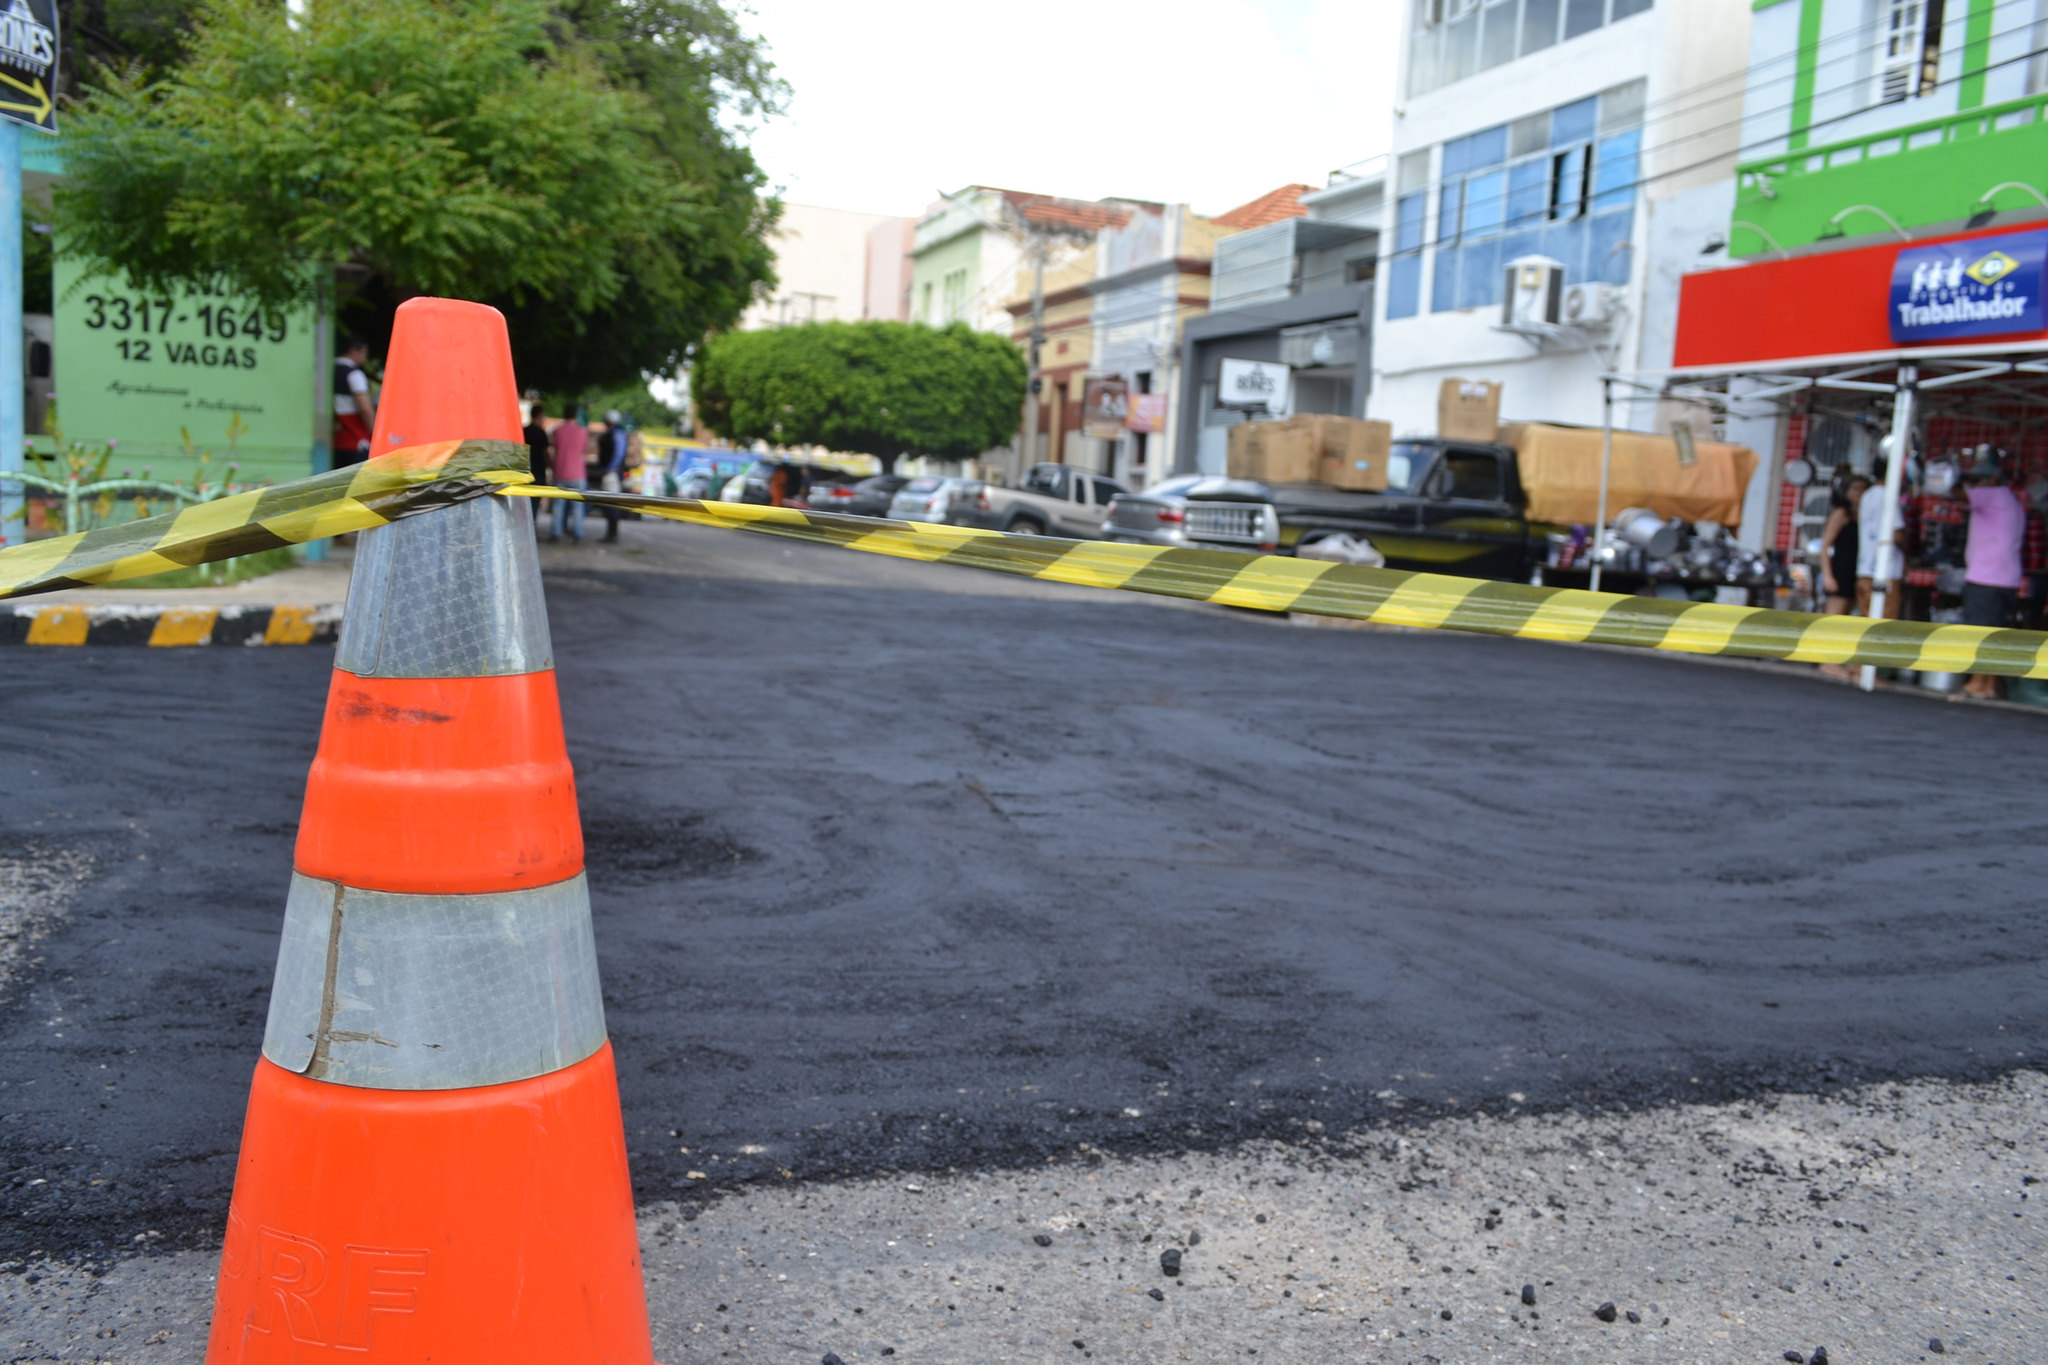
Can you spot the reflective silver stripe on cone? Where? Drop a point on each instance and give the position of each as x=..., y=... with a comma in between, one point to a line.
x=405, y=992
x=408, y=616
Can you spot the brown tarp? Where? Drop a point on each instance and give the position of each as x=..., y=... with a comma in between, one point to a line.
x=1561, y=475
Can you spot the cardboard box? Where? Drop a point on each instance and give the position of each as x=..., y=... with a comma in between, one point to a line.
x=1274, y=452
x=1468, y=410
x=1312, y=448
x=1354, y=454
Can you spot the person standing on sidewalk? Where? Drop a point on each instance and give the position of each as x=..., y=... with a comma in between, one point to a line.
x=355, y=411
x=1877, y=561
x=540, y=456
x=611, y=464
x=1991, y=559
x=571, y=441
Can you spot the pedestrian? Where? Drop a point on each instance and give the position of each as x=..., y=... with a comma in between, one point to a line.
x=355, y=411
x=1875, y=558
x=571, y=441
x=540, y=457
x=1838, y=549
x=1838, y=541
x=611, y=466
x=1991, y=559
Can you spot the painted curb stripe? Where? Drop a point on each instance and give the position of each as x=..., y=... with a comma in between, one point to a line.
x=169, y=627
x=1386, y=596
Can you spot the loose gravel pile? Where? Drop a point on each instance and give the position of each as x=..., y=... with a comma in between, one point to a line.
x=1860, y=1227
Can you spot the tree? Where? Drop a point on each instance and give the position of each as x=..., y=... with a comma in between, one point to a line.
x=882, y=388
x=487, y=149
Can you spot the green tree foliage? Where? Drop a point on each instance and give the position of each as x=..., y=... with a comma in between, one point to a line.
x=881, y=388
x=496, y=150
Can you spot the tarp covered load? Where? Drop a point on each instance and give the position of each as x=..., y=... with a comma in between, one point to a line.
x=1561, y=475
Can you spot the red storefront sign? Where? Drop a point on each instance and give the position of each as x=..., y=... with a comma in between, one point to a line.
x=1830, y=304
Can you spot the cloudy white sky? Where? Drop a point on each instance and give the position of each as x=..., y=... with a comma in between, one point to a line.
x=1204, y=102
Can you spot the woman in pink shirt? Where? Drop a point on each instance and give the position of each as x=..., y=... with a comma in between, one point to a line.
x=1998, y=529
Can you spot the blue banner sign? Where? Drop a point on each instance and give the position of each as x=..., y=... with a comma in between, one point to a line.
x=1984, y=286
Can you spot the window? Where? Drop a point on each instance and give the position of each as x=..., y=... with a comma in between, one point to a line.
x=1561, y=183
x=955, y=289
x=1452, y=39
x=1411, y=210
x=1470, y=476
x=1910, y=56
x=925, y=306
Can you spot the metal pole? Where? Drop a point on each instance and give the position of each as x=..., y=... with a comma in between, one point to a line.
x=1036, y=249
x=1894, y=480
x=1606, y=460
x=13, y=521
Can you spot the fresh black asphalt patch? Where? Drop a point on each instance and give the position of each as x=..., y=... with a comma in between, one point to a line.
x=888, y=878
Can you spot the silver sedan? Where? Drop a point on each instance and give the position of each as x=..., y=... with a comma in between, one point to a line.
x=1160, y=515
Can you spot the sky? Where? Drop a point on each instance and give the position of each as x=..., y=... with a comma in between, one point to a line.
x=1203, y=102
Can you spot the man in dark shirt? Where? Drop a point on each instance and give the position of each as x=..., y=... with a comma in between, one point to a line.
x=539, y=453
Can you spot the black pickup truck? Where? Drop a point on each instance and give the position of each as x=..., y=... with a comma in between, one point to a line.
x=1449, y=507
x=1455, y=507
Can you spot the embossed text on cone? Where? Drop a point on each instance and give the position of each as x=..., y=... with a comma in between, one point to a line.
x=433, y=1167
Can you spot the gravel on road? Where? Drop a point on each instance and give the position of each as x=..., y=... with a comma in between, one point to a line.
x=1866, y=1224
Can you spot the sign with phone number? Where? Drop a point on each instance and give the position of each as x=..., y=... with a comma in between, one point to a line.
x=145, y=369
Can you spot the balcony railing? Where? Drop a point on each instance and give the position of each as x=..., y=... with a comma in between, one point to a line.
x=1798, y=197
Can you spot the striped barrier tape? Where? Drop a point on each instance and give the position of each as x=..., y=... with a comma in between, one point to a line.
x=76, y=624
x=420, y=478
x=1386, y=596
x=400, y=483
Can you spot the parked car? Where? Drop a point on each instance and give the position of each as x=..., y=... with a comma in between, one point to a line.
x=869, y=497
x=957, y=502
x=1165, y=514
x=1053, y=500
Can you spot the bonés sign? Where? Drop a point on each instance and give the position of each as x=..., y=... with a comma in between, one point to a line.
x=28, y=63
x=1984, y=286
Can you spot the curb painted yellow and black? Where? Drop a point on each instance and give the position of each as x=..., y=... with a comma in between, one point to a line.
x=421, y=478
x=169, y=626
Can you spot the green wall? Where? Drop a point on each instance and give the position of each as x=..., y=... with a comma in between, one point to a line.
x=932, y=266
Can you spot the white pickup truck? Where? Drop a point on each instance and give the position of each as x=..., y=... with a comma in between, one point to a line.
x=1053, y=500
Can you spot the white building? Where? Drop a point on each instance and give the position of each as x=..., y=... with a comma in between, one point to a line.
x=823, y=268
x=1600, y=134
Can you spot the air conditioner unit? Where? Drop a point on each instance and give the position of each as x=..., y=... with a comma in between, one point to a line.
x=1534, y=287
x=1591, y=305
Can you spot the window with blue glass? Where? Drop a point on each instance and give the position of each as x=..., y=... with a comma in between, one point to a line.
x=1560, y=183
x=1450, y=40
x=1411, y=213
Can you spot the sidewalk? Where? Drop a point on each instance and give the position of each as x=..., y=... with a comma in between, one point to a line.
x=296, y=606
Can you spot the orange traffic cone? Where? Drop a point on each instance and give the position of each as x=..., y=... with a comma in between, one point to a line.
x=433, y=1167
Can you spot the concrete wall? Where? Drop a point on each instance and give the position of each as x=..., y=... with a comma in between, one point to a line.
x=888, y=269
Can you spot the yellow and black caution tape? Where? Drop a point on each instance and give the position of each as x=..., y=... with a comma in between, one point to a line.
x=1388, y=596
x=421, y=478
x=401, y=483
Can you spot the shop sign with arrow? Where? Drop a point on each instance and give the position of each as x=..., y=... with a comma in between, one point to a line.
x=28, y=63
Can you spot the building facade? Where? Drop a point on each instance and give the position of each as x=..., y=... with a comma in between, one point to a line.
x=824, y=268
x=1579, y=132
x=1876, y=132
x=1115, y=303
x=1294, y=288
x=964, y=255
x=1868, y=118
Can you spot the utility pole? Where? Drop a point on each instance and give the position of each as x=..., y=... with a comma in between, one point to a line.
x=1036, y=247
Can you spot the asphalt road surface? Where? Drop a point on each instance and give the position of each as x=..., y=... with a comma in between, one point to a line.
x=904, y=868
